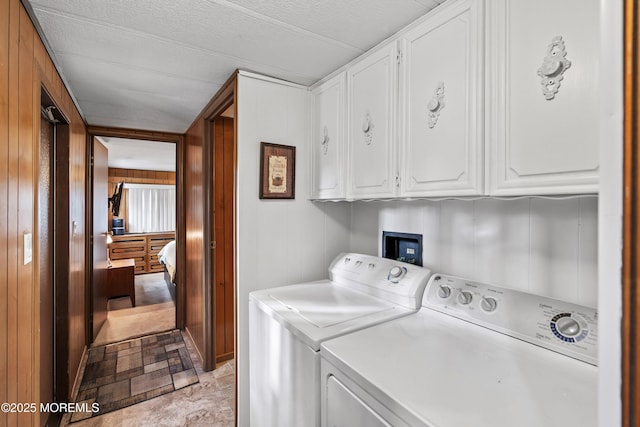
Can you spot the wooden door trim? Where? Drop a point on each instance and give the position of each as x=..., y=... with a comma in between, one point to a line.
x=221, y=101
x=181, y=233
x=631, y=230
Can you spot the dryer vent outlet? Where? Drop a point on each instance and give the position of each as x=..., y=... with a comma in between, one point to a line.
x=403, y=247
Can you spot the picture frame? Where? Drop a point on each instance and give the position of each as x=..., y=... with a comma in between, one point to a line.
x=277, y=171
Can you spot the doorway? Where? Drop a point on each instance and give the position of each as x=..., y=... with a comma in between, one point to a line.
x=141, y=297
x=53, y=249
x=223, y=219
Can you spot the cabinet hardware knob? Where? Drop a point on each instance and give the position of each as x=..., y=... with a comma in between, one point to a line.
x=367, y=128
x=436, y=105
x=553, y=68
x=325, y=141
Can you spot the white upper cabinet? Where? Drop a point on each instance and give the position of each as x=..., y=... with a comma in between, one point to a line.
x=543, y=126
x=442, y=104
x=372, y=89
x=494, y=98
x=328, y=149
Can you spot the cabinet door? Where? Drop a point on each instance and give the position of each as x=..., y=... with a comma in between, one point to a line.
x=327, y=140
x=442, y=86
x=372, y=85
x=544, y=144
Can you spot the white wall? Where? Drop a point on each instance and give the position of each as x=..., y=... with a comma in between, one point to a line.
x=279, y=242
x=610, y=218
x=547, y=247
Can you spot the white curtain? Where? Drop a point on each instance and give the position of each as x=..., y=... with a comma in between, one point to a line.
x=151, y=208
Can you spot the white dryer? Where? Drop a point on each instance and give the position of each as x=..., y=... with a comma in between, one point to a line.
x=474, y=355
x=287, y=325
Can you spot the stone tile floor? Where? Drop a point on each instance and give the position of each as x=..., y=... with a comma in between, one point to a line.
x=211, y=403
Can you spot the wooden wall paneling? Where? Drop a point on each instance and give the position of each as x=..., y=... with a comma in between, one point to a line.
x=12, y=220
x=24, y=64
x=40, y=52
x=223, y=225
x=217, y=215
x=193, y=280
x=631, y=237
x=181, y=234
x=4, y=206
x=77, y=263
x=26, y=137
x=229, y=241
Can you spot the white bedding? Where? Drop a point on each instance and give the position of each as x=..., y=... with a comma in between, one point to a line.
x=167, y=256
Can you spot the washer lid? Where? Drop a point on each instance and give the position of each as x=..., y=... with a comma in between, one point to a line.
x=325, y=306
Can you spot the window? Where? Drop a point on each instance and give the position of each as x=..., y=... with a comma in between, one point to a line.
x=151, y=208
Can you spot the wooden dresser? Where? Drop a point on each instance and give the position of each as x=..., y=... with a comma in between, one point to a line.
x=142, y=248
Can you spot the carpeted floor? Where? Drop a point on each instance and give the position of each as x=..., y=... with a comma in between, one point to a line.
x=122, y=374
x=154, y=312
x=150, y=289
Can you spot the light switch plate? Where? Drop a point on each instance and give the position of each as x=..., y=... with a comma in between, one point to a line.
x=28, y=248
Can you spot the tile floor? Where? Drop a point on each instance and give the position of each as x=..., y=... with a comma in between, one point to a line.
x=210, y=403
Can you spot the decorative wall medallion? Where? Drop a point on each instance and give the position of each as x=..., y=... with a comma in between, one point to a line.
x=325, y=141
x=553, y=67
x=436, y=104
x=367, y=128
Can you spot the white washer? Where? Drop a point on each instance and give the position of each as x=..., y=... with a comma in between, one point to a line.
x=287, y=325
x=474, y=355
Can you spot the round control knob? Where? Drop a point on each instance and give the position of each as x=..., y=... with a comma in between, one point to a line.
x=488, y=304
x=395, y=272
x=568, y=327
x=465, y=297
x=444, y=291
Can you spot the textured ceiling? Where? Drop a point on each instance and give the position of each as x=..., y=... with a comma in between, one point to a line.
x=136, y=154
x=154, y=64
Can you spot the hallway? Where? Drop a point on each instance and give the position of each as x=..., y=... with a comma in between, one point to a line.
x=210, y=402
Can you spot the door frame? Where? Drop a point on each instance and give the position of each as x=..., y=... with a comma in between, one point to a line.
x=178, y=140
x=224, y=98
x=631, y=231
x=59, y=174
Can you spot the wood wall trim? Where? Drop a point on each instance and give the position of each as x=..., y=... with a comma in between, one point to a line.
x=631, y=252
x=216, y=106
x=134, y=134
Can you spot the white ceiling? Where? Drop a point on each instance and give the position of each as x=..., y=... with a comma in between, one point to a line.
x=136, y=154
x=154, y=64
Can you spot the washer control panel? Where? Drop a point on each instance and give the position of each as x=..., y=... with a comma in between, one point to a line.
x=389, y=279
x=557, y=325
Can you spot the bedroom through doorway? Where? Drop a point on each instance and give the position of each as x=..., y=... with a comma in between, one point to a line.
x=142, y=217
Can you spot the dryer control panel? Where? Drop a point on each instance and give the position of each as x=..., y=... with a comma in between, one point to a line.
x=560, y=326
x=391, y=280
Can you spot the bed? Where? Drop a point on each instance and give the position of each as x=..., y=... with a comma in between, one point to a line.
x=167, y=256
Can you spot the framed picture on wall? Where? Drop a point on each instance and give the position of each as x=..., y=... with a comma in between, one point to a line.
x=277, y=171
